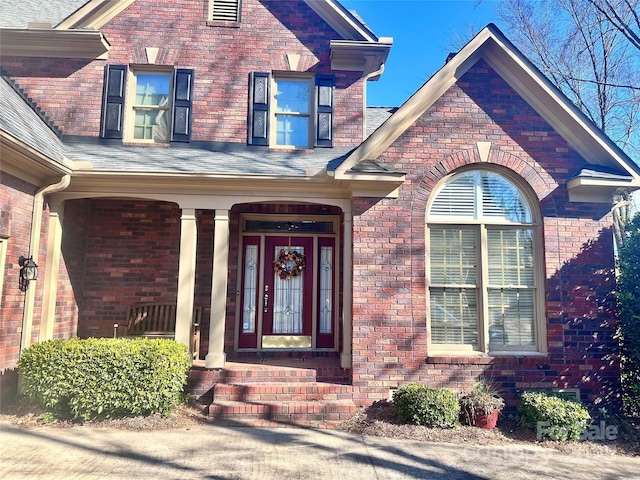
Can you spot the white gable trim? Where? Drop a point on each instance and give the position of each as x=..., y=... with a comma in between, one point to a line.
x=491, y=45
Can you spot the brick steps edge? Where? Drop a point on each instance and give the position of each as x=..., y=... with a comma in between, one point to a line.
x=293, y=412
x=260, y=392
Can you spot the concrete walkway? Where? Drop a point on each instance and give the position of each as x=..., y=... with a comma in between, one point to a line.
x=222, y=453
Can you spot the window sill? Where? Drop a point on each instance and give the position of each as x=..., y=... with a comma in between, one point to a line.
x=478, y=358
x=146, y=144
x=291, y=149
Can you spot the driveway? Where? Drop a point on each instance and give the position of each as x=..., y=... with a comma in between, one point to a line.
x=230, y=452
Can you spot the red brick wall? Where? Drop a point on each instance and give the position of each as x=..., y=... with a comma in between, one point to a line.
x=70, y=91
x=131, y=256
x=16, y=205
x=389, y=323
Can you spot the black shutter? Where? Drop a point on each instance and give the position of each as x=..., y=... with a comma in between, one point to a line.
x=258, y=123
x=324, y=110
x=115, y=78
x=182, y=105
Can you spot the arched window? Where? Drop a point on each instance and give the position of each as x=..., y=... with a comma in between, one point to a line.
x=483, y=270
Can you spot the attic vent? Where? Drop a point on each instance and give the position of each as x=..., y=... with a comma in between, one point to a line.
x=225, y=10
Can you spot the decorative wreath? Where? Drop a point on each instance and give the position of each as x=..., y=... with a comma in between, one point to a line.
x=289, y=264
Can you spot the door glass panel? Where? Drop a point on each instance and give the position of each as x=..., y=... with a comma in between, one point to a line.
x=326, y=289
x=288, y=299
x=250, y=287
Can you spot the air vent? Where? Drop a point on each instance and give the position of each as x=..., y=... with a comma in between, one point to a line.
x=225, y=10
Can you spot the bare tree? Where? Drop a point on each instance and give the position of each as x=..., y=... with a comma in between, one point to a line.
x=589, y=49
x=623, y=15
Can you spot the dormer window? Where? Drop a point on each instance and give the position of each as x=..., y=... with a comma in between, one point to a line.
x=227, y=11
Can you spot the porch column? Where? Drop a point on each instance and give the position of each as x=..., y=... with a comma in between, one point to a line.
x=347, y=278
x=50, y=286
x=216, y=356
x=186, y=277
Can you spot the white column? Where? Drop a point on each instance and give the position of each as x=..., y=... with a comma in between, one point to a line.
x=216, y=357
x=347, y=279
x=186, y=277
x=50, y=285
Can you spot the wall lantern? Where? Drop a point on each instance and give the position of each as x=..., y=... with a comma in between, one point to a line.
x=28, y=272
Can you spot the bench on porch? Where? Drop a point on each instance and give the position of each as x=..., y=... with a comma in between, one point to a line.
x=158, y=320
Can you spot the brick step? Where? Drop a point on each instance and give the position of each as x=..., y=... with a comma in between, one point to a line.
x=289, y=412
x=293, y=391
x=258, y=373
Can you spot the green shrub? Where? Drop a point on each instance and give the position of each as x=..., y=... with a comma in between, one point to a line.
x=105, y=377
x=431, y=407
x=628, y=294
x=554, y=416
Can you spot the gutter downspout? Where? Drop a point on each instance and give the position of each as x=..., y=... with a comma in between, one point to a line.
x=34, y=246
x=365, y=79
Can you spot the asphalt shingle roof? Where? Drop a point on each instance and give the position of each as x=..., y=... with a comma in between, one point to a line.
x=20, y=120
x=376, y=116
x=18, y=13
x=198, y=157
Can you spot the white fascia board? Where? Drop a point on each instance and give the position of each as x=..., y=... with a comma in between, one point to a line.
x=89, y=44
x=523, y=77
x=94, y=14
x=547, y=100
x=357, y=56
x=415, y=106
x=598, y=190
x=345, y=24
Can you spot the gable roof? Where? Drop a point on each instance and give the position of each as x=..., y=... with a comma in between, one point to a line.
x=491, y=45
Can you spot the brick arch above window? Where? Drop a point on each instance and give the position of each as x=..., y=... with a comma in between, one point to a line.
x=539, y=181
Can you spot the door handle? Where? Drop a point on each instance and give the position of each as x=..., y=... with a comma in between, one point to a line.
x=266, y=297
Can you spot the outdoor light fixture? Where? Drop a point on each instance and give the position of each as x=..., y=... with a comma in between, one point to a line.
x=28, y=272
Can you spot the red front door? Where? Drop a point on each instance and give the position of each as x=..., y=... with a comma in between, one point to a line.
x=281, y=309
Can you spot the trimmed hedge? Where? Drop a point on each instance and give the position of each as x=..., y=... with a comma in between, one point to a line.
x=554, y=416
x=105, y=377
x=431, y=407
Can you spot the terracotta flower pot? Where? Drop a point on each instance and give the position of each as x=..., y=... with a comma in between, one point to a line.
x=484, y=420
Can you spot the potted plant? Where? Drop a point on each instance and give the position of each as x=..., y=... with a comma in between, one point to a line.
x=482, y=405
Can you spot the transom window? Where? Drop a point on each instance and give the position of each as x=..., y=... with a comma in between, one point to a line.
x=292, y=111
x=151, y=107
x=483, y=272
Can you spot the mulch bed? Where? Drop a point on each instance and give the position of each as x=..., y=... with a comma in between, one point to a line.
x=377, y=420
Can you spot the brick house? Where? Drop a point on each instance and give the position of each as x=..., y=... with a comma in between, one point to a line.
x=159, y=152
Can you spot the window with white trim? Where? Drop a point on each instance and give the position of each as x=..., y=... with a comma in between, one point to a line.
x=150, y=106
x=147, y=104
x=290, y=111
x=484, y=271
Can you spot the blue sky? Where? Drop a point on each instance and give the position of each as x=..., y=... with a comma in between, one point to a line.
x=422, y=31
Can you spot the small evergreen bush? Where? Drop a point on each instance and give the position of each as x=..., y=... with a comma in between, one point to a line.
x=431, y=407
x=105, y=377
x=554, y=415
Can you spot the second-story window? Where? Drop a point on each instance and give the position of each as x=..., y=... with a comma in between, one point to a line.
x=151, y=107
x=291, y=111
x=146, y=104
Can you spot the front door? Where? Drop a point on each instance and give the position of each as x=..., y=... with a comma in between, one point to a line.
x=287, y=293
